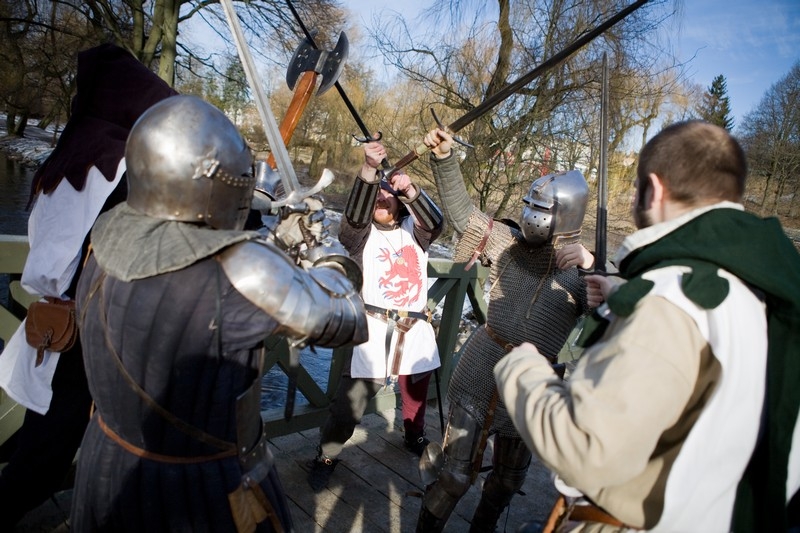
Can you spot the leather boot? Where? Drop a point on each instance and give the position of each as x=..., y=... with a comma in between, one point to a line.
x=415, y=442
x=320, y=471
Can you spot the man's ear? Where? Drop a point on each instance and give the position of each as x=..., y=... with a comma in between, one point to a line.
x=656, y=191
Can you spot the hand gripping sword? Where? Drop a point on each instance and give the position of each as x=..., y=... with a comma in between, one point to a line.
x=294, y=194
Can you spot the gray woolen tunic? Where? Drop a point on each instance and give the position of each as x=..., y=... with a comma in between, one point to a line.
x=164, y=328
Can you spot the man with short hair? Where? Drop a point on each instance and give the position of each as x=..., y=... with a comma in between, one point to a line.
x=681, y=414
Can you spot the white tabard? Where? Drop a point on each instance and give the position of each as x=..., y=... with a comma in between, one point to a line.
x=395, y=277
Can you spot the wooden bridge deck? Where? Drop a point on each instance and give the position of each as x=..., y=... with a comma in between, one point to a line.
x=375, y=488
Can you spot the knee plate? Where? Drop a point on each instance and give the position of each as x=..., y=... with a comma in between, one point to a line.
x=510, y=464
x=460, y=448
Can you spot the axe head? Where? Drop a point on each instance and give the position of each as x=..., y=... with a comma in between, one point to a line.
x=329, y=65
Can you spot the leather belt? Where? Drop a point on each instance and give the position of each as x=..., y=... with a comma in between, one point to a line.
x=586, y=511
x=559, y=368
x=161, y=458
x=500, y=341
x=396, y=314
x=593, y=513
x=402, y=321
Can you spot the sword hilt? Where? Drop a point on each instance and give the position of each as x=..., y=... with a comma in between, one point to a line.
x=445, y=128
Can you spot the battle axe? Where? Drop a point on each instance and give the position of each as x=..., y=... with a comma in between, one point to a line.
x=309, y=63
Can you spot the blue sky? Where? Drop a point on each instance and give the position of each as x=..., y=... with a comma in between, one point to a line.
x=753, y=43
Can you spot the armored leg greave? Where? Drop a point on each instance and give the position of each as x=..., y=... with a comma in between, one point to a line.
x=510, y=461
x=461, y=442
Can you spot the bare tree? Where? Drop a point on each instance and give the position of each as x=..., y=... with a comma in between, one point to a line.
x=38, y=61
x=149, y=28
x=770, y=135
x=41, y=39
x=533, y=129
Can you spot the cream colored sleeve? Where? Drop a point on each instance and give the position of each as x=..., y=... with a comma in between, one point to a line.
x=601, y=427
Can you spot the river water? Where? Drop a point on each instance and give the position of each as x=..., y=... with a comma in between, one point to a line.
x=15, y=184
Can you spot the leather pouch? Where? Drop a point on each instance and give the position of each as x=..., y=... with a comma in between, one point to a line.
x=51, y=326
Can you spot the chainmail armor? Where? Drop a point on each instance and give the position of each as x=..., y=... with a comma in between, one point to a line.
x=544, y=302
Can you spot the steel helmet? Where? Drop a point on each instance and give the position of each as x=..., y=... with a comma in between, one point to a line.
x=554, y=206
x=186, y=161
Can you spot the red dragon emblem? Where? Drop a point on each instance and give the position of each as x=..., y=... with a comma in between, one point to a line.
x=403, y=281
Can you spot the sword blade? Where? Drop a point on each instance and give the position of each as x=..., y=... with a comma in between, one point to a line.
x=282, y=159
x=551, y=62
x=601, y=231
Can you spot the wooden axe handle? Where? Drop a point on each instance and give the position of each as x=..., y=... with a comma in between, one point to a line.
x=302, y=95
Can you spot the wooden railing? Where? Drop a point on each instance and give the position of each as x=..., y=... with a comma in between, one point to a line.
x=13, y=251
x=451, y=288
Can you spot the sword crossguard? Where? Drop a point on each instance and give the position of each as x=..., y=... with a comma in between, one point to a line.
x=368, y=138
x=442, y=127
x=595, y=272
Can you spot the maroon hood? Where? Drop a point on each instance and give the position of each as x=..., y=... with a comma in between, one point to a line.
x=113, y=90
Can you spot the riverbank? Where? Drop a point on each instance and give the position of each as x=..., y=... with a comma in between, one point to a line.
x=30, y=150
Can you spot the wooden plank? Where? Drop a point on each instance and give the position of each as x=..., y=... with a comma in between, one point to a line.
x=369, y=491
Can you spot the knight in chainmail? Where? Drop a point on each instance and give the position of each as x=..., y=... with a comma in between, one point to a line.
x=174, y=305
x=536, y=296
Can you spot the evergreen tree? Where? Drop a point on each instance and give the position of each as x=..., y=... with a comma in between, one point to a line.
x=716, y=107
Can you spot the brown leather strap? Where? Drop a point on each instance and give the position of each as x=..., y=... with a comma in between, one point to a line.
x=171, y=459
x=176, y=422
x=477, y=463
x=500, y=341
x=554, y=519
x=507, y=346
x=395, y=314
x=585, y=511
x=593, y=513
x=262, y=499
x=402, y=321
x=402, y=327
x=479, y=250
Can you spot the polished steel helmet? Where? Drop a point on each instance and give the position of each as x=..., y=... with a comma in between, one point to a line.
x=554, y=206
x=186, y=161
